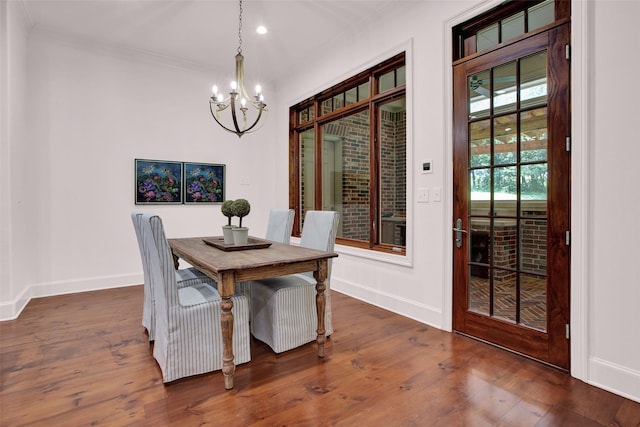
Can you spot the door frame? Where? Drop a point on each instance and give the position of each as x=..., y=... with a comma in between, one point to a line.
x=582, y=141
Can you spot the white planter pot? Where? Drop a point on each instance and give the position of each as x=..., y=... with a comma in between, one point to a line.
x=240, y=235
x=227, y=233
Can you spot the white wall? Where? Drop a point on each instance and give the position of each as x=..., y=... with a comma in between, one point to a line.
x=13, y=88
x=92, y=110
x=411, y=285
x=614, y=279
x=605, y=298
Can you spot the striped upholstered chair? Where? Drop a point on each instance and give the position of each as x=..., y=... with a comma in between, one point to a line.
x=148, y=311
x=283, y=309
x=188, y=337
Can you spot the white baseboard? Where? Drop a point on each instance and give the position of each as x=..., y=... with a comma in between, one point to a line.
x=419, y=312
x=11, y=310
x=614, y=378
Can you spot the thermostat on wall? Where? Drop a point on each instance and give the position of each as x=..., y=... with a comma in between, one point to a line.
x=427, y=166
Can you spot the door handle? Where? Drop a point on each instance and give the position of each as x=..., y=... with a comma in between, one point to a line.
x=459, y=230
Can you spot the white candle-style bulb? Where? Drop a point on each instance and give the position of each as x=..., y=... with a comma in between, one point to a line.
x=214, y=89
x=243, y=102
x=234, y=85
x=261, y=98
x=258, y=89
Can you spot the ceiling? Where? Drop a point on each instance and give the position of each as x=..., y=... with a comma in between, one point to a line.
x=204, y=33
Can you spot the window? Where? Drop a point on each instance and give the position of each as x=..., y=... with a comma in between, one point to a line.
x=506, y=23
x=348, y=154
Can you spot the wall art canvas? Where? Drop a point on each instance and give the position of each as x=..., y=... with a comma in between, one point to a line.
x=158, y=182
x=204, y=183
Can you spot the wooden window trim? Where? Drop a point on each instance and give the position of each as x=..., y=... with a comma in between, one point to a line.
x=464, y=34
x=369, y=104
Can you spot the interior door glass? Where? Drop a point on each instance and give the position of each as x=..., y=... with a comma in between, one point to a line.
x=480, y=143
x=533, y=135
x=505, y=190
x=505, y=139
x=533, y=80
x=480, y=184
x=508, y=179
x=504, y=88
x=479, y=95
x=479, y=252
x=533, y=298
x=533, y=184
x=505, y=294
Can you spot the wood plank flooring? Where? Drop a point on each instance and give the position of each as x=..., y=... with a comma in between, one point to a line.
x=84, y=359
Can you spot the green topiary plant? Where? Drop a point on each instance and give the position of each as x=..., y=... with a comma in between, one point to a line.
x=241, y=208
x=227, y=210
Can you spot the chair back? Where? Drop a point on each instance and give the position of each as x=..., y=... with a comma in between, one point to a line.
x=136, y=218
x=161, y=270
x=148, y=312
x=319, y=232
x=280, y=225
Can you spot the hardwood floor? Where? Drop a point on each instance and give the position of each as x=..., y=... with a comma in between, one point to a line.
x=84, y=359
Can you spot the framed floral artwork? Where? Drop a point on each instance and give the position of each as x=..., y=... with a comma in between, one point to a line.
x=158, y=182
x=204, y=183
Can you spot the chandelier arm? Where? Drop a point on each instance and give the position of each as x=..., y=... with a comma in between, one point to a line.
x=239, y=133
x=255, y=122
x=221, y=106
x=234, y=116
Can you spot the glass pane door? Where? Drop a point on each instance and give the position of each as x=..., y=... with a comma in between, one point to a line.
x=508, y=172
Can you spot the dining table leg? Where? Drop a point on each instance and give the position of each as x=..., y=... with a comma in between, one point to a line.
x=226, y=287
x=321, y=302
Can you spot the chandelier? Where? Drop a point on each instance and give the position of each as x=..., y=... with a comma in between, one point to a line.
x=243, y=120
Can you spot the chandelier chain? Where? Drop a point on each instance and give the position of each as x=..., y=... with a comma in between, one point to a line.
x=246, y=111
x=240, y=29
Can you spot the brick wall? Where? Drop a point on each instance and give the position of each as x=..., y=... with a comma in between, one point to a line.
x=503, y=249
x=354, y=134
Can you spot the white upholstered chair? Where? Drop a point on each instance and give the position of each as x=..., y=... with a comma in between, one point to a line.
x=283, y=309
x=188, y=334
x=279, y=229
x=280, y=225
x=148, y=311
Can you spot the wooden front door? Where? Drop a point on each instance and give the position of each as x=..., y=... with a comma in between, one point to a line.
x=511, y=197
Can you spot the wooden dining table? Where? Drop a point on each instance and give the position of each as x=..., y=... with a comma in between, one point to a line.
x=259, y=259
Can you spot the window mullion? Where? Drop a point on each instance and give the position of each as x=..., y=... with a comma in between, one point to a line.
x=374, y=176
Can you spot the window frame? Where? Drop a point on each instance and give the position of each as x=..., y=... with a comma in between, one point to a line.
x=371, y=104
x=464, y=35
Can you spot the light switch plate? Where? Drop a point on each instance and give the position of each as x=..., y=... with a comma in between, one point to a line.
x=436, y=194
x=423, y=195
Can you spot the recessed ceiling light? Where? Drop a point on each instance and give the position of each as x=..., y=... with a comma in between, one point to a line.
x=261, y=29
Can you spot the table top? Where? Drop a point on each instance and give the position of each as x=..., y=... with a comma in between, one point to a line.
x=197, y=253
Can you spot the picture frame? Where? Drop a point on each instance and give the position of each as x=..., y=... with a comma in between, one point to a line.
x=158, y=182
x=204, y=183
